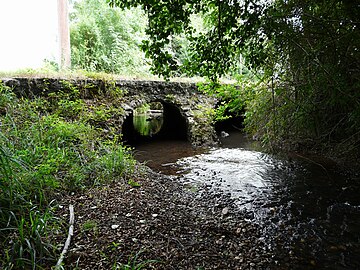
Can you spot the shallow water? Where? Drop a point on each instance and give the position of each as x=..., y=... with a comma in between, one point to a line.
x=308, y=202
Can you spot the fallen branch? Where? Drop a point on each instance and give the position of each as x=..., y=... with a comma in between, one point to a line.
x=70, y=234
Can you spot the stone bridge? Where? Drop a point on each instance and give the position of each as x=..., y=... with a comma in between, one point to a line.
x=187, y=112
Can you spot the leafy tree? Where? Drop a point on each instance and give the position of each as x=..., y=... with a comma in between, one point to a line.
x=315, y=70
x=106, y=39
x=231, y=27
x=306, y=51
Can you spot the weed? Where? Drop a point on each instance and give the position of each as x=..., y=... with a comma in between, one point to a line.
x=133, y=183
x=193, y=188
x=133, y=263
x=69, y=108
x=90, y=226
x=114, y=246
x=26, y=237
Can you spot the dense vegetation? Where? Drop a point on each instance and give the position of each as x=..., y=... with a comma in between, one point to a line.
x=50, y=146
x=107, y=40
x=304, y=57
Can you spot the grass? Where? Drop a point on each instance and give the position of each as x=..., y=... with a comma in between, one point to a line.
x=51, y=72
x=134, y=263
x=48, y=148
x=83, y=74
x=71, y=74
x=90, y=226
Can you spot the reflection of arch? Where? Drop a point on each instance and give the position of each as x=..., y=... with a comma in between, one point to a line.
x=174, y=125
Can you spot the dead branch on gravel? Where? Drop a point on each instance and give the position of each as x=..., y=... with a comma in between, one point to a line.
x=70, y=234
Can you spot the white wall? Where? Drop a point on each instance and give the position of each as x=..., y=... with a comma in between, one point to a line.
x=28, y=33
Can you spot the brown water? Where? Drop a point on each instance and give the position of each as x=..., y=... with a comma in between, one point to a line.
x=307, y=201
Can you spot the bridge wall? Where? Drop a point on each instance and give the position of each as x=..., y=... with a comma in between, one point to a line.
x=194, y=106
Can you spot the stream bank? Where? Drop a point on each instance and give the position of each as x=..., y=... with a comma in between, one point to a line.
x=190, y=220
x=309, y=202
x=228, y=207
x=176, y=226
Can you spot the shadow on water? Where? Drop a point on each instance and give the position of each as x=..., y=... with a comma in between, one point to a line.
x=306, y=202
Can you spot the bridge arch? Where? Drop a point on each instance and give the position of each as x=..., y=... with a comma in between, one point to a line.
x=187, y=109
x=174, y=124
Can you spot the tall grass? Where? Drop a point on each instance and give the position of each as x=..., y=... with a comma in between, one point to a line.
x=48, y=147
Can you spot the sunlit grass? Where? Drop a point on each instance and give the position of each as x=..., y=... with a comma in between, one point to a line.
x=63, y=74
x=50, y=72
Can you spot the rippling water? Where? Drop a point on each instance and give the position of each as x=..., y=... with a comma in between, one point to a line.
x=307, y=201
x=239, y=172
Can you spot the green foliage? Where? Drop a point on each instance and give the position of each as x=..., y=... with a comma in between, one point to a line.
x=207, y=48
x=306, y=53
x=313, y=71
x=134, y=263
x=90, y=226
x=134, y=184
x=230, y=96
x=114, y=162
x=106, y=39
x=48, y=147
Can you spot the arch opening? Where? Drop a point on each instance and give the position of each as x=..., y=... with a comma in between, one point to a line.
x=156, y=120
x=234, y=121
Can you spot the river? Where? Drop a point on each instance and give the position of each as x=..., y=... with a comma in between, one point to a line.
x=308, y=202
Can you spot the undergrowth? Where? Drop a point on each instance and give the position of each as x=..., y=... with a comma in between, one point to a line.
x=49, y=146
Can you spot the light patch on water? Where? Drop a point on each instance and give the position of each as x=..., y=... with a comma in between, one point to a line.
x=242, y=173
x=314, y=209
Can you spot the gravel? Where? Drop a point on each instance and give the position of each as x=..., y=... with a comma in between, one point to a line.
x=165, y=224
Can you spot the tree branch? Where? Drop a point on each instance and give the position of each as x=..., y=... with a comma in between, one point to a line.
x=70, y=234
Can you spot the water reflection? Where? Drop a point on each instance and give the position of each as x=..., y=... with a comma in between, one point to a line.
x=148, y=119
x=236, y=171
x=147, y=125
